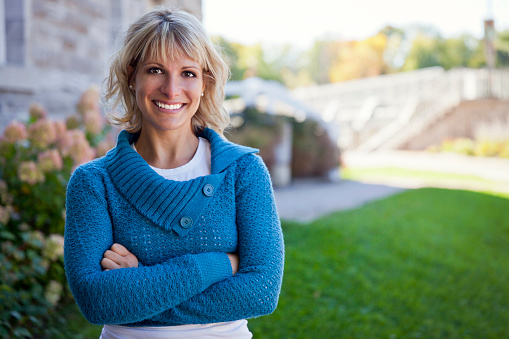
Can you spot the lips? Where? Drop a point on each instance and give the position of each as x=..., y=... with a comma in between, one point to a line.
x=172, y=107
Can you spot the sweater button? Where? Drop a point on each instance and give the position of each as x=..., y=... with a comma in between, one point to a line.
x=186, y=222
x=208, y=190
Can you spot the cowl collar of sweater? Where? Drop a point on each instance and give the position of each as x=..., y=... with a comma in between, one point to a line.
x=173, y=205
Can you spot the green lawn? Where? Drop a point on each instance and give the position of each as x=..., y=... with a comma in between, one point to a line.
x=426, y=263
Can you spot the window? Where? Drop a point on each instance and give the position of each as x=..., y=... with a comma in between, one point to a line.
x=3, y=45
x=12, y=32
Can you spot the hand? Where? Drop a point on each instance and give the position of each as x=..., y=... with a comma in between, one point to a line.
x=234, y=260
x=118, y=257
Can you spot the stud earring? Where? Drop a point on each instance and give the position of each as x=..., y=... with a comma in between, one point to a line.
x=202, y=94
x=130, y=87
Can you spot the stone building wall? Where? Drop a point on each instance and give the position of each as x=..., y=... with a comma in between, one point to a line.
x=191, y=6
x=52, y=50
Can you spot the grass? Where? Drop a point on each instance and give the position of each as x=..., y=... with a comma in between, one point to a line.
x=426, y=263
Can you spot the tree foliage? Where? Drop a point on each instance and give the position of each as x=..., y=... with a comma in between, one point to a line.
x=359, y=59
x=390, y=50
x=428, y=50
x=280, y=63
x=502, y=49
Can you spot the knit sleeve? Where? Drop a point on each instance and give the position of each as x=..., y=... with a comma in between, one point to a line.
x=254, y=290
x=125, y=295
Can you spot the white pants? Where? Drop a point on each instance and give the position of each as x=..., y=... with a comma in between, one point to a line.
x=234, y=329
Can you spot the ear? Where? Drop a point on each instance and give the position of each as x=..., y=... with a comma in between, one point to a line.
x=206, y=79
x=130, y=75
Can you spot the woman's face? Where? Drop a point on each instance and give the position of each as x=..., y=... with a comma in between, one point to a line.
x=168, y=93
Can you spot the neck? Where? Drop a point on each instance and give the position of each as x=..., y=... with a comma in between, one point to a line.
x=167, y=149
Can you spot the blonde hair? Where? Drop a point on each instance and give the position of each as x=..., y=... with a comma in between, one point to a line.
x=158, y=35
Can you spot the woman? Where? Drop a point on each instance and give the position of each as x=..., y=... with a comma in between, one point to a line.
x=174, y=233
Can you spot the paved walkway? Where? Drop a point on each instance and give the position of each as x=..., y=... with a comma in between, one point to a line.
x=306, y=200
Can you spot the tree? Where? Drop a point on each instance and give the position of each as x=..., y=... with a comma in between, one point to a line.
x=283, y=63
x=502, y=49
x=395, y=48
x=359, y=59
x=457, y=52
x=231, y=53
x=424, y=52
x=319, y=60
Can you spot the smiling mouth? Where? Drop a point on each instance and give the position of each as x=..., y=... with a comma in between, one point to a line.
x=166, y=106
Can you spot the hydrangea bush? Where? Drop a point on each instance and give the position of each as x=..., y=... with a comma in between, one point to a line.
x=37, y=158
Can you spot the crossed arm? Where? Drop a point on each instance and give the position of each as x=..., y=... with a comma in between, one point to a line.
x=119, y=257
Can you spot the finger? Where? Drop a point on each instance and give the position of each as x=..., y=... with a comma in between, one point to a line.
x=131, y=260
x=108, y=264
x=119, y=249
x=117, y=258
x=234, y=261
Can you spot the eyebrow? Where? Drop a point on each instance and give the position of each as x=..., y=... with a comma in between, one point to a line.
x=163, y=66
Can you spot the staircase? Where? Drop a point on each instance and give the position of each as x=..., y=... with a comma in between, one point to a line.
x=385, y=112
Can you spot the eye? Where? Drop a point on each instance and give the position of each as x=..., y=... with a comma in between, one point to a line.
x=155, y=70
x=188, y=74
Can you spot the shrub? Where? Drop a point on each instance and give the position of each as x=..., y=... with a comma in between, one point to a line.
x=463, y=146
x=487, y=148
x=258, y=130
x=482, y=147
x=314, y=153
x=504, y=150
x=36, y=161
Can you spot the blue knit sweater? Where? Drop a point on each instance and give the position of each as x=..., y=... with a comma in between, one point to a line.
x=181, y=233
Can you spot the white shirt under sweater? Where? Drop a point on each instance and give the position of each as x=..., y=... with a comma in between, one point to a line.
x=200, y=165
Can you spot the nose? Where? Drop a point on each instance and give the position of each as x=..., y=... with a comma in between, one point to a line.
x=171, y=86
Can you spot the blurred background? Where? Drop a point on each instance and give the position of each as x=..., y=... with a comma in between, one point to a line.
x=348, y=102
x=371, y=76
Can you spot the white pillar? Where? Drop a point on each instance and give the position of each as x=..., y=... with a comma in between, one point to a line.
x=281, y=171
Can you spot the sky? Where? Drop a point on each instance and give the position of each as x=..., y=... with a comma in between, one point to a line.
x=301, y=22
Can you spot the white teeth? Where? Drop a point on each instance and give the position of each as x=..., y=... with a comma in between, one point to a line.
x=165, y=106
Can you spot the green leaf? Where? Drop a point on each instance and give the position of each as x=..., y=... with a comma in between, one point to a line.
x=7, y=235
x=22, y=332
x=34, y=320
x=3, y=329
x=16, y=315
